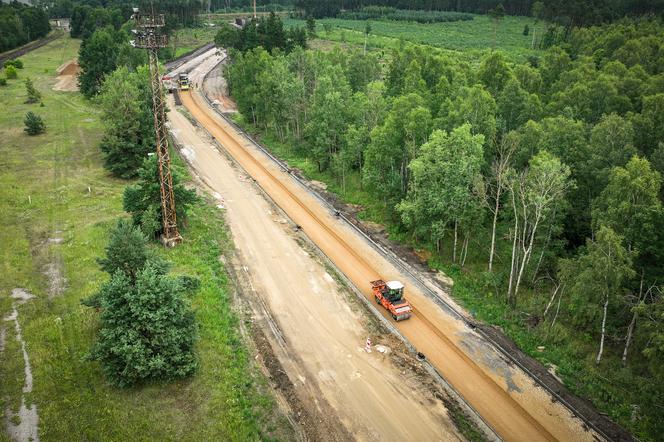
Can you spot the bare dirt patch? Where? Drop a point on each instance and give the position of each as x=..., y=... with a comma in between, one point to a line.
x=23, y=425
x=68, y=77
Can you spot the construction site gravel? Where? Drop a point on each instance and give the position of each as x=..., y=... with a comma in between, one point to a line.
x=374, y=399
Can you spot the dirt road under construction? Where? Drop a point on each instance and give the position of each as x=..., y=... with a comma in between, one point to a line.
x=318, y=336
x=505, y=397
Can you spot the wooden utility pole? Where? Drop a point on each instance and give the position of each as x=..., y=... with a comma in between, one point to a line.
x=149, y=37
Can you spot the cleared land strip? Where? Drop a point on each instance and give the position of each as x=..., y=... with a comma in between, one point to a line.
x=504, y=396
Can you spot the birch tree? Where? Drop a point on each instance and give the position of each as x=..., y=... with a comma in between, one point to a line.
x=596, y=278
x=535, y=194
x=496, y=187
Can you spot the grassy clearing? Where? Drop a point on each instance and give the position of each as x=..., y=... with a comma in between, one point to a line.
x=474, y=37
x=187, y=39
x=53, y=186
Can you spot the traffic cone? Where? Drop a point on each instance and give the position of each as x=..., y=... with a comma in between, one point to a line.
x=367, y=346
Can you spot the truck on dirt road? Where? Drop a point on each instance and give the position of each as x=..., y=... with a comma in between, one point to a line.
x=183, y=81
x=390, y=295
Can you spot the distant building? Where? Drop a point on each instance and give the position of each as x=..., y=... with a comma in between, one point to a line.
x=60, y=23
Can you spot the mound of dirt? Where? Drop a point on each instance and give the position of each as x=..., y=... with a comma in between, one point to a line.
x=68, y=77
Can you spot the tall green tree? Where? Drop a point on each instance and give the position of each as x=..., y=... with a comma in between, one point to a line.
x=126, y=101
x=630, y=205
x=143, y=199
x=393, y=145
x=611, y=145
x=147, y=329
x=597, y=278
x=494, y=72
x=441, y=194
x=536, y=194
x=97, y=58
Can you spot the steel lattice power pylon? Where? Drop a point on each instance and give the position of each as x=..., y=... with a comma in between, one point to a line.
x=148, y=36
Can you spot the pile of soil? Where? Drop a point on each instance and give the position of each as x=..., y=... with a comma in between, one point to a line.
x=68, y=77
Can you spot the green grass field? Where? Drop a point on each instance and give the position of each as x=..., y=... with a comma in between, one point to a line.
x=187, y=39
x=56, y=206
x=472, y=37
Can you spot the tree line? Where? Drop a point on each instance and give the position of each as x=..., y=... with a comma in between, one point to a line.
x=21, y=24
x=550, y=171
x=573, y=13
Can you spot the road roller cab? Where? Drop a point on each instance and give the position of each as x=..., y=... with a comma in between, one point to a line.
x=390, y=295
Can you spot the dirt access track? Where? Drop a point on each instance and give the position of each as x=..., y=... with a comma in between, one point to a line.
x=324, y=379
x=506, y=398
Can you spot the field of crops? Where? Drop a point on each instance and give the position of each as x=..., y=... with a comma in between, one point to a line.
x=473, y=37
x=387, y=13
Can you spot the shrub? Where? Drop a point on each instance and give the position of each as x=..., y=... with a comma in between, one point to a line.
x=18, y=64
x=526, y=30
x=10, y=73
x=34, y=125
x=3, y=81
x=34, y=96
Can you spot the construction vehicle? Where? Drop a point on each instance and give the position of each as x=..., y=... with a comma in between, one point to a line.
x=183, y=81
x=390, y=295
x=168, y=83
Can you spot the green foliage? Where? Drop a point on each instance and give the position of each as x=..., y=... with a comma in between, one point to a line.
x=17, y=63
x=147, y=331
x=98, y=58
x=630, y=205
x=526, y=30
x=34, y=125
x=126, y=101
x=3, y=81
x=143, y=199
x=389, y=13
x=20, y=24
x=596, y=277
x=126, y=251
x=444, y=175
x=268, y=33
x=34, y=96
x=11, y=73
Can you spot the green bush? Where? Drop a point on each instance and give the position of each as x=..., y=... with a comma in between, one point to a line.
x=3, y=81
x=11, y=73
x=18, y=64
x=34, y=125
x=143, y=200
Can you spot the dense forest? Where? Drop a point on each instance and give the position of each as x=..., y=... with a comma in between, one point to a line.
x=87, y=15
x=20, y=24
x=544, y=177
